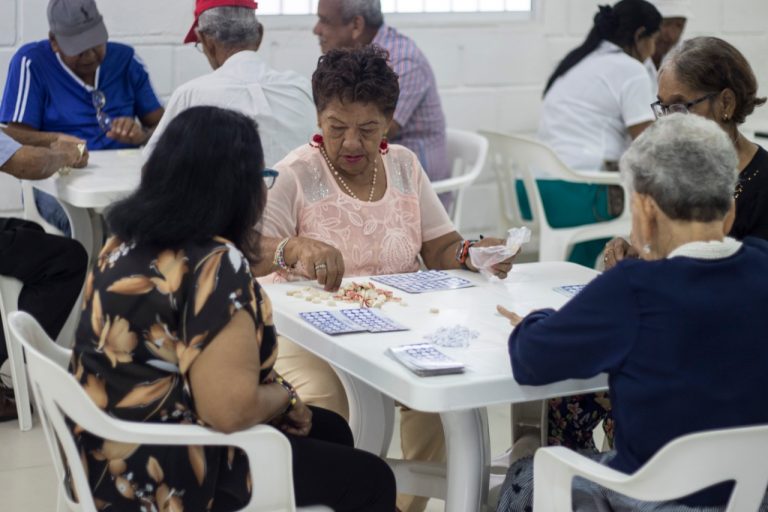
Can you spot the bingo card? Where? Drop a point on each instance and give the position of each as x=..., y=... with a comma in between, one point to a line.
x=425, y=281
x=569, y=290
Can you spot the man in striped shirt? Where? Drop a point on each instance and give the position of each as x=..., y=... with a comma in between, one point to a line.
x=418, y=123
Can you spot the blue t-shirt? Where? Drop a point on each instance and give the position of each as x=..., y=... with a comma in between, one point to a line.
x=42, y=92
x=683, y=341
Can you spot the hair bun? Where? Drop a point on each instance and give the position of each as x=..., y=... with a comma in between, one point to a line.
x=606, y=21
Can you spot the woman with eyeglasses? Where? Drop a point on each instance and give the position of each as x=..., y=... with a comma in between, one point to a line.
x=175, y=329
x=709, y=77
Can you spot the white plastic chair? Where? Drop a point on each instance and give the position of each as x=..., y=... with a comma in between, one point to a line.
x=466, y=152
x=10, y=289
x=682, y=467
x=9, y=302
x=59, y=396
x=516, y=157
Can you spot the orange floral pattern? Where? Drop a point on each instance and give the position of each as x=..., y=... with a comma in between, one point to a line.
x=147, y=316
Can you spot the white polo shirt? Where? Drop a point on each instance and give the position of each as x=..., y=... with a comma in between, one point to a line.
x=587, y=110
x=279, y=101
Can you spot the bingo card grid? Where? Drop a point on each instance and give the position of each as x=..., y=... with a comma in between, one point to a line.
x=569, y=290
x=425, y=281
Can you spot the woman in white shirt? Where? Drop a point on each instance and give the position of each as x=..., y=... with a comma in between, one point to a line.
x=595, y=103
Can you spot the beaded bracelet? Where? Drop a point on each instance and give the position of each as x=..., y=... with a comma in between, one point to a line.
x=279, y=259
x=293, y=397
x=463, y=251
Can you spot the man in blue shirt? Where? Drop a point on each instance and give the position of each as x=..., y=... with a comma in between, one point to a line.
x=79, y=84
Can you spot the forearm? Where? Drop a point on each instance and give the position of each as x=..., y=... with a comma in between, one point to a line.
x=441, y=252
x=266, y=266
x=246, y=406
x=35, y=163
x=29, y=136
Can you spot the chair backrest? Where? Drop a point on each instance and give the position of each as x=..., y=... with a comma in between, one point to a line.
x=467, y=152
x=696, y=461
x=59, y=396
x=504, y=163
x=53, y=387
x=682, y=467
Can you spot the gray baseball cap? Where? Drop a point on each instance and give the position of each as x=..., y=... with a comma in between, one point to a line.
x=76, y=24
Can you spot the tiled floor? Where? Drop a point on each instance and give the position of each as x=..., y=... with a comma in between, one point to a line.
x=28, y=482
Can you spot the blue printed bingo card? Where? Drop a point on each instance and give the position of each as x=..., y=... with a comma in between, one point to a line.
x=570, y=290
x=350, y=320
x=426, y=281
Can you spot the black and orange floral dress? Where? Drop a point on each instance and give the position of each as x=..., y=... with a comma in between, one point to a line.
x=148, y=314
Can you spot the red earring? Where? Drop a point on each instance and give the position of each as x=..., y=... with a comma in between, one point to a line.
x=384, y=146
x=317, y=140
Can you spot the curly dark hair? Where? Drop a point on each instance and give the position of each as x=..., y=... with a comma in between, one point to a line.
x=709, y=64
x=359, y=75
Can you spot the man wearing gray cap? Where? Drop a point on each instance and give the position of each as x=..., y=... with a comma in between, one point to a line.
x=77, y=83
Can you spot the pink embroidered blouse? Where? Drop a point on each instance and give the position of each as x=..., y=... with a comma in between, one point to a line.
x=380, y=237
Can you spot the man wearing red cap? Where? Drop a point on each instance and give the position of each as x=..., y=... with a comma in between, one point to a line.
x=229, y=35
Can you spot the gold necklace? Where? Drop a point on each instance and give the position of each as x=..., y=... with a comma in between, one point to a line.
x=341, y=178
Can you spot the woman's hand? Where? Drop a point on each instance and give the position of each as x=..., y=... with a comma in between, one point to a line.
x=501, y=269
x=317, y=260
x=616, y=250
x=297, y=421
x=127, y=131
x=513, y=317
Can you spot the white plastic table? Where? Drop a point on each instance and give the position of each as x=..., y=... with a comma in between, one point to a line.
x=374, y=380
x=110, y=176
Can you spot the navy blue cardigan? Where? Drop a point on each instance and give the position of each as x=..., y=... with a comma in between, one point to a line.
x=684, y=342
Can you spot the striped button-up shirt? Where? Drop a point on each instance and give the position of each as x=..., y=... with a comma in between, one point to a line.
x=418, y=112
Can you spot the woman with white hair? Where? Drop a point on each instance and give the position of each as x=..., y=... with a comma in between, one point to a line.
x=680, y=331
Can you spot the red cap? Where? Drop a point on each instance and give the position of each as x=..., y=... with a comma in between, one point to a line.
x=203, y=5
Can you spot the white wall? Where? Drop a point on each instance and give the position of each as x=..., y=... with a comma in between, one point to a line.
x=490, y=69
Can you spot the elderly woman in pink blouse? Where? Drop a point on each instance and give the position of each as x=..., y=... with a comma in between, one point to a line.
x=349, y=204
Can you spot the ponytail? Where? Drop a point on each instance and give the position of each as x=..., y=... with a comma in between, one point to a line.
x=617, y=25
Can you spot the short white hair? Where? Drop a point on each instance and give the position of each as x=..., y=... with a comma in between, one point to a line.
x=370, y=10
x=231, y=26
x=687, y=164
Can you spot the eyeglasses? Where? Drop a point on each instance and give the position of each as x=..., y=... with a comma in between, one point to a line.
x=661, y=110
x=199, y=47
x=269, y=175
x=99, y=101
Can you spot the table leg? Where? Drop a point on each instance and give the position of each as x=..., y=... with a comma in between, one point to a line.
x=371, y=415
x=468, y=453
x=82, y=228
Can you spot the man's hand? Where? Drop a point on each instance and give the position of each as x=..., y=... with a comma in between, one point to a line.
x=297, y=421
x=71, y=152
x=316, y=260
x=127, y=131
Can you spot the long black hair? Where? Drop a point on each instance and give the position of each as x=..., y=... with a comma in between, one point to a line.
x=617, y=25
x=203, y=179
